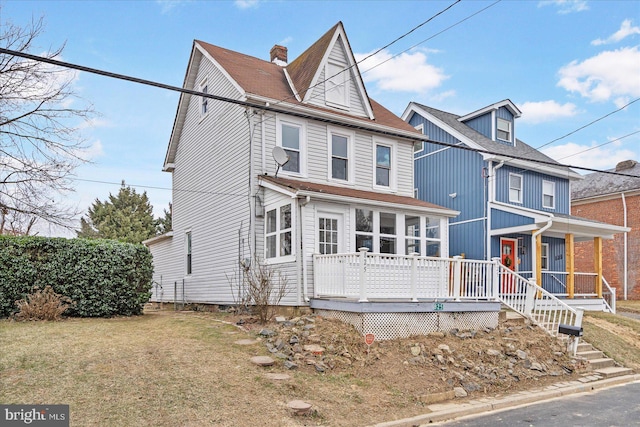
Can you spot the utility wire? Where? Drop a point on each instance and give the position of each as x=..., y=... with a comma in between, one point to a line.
x=601, y=145
x=399, y=134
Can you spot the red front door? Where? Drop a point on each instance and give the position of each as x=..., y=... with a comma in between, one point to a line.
x=508, y=258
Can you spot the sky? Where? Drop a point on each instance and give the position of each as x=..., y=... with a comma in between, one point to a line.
x=568, y=65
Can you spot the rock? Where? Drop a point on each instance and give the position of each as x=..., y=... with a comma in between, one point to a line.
x=267, y=333
x=436, y=334
x=430, y=398
x=294, y=339
x=535, y=366
x=277, y=377
x=313, y=348
x=308, y=327
x=290, y=365
x=470, y=387
x=444, y=348
x=440, y=359
x=493, y=352
x=262, y=360
x=415, y=350
x=321, y=367
x=280, y=355
x=279, y=344
x=312, y=338
x=459, y=392
x=281, y=319
x=299, y=407
x=522, y=354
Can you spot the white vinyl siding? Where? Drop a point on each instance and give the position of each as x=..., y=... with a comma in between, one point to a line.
x=336, y=85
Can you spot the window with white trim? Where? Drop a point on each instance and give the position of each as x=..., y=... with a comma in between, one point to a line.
x=278, y=232
x=412, y=234
x=328, y=235
x=364, y=229
x=548, y=194
x=432, y=236
x=291, y=137
x=504, y=129
x=383, y=165
x=387, y=233
x=336, y=92
x=515, y=188
x=340, y=146
x=544, y=256
x=188, y=252
x=204, y=101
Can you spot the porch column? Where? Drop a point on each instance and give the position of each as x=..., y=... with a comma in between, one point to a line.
x=597, y=264
x=538, y=260
x=569, y=256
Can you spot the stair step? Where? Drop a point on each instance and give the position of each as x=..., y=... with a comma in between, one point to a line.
x=613, y=371
x=601, y=363
x=584, y=346
x=591, y=354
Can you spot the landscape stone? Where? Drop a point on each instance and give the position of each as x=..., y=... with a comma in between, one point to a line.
x=522, y=354
x=262, y=360
x=460, y=392
x=299, y=407
x=493, y=352
x=313, y=348
x=445, y=348
x=415, y=350
x=290, y=365
x=267, y=332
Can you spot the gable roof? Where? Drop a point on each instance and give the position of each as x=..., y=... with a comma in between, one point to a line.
x=266, y=82
x=504, y=103
x=452, y=124
x=346, y=193
x=602, y=184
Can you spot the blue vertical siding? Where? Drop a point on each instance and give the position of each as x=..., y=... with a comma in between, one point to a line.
x=532, y=189
x=481, y=124
x=502, y=219
x=467, y=238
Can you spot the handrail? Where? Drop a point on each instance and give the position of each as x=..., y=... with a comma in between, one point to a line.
x=609, y=293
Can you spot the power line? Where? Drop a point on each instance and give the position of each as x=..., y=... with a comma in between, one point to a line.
x=406, y=136
x=601, y=145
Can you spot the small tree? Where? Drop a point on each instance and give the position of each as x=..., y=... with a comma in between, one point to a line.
x=163, y=224
x=127, y=217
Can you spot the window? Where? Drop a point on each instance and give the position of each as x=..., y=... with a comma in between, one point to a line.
x=544, y=256
x=412, y=234
x=278, y=232
x=364, y=229
x=336, y=85
x=548, y=194
x=383, y=165
x=339, y=152
x=504, y=129
x=204, y=106
x=188, y=251
x=432, y=236
x=387, y=233
x=328, y=235
x=515, y=188
x=291, y=137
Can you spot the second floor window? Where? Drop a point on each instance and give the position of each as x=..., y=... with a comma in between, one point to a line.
x=205, y=101
x=383, y=165
x=515, y=188
x=339, y=157
x=504, y=130
x=548, y=194
x=291, y=145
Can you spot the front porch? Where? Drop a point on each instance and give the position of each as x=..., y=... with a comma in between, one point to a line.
x=396, y=296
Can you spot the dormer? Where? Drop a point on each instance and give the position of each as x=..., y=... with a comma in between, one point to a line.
x=496, y=122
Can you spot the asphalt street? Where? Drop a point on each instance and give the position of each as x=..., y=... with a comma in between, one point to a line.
x=612, y=407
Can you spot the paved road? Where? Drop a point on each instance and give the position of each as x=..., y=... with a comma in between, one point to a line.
x=629, y=314
x=616, y=406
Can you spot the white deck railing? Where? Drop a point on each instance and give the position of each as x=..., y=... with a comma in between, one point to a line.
x=410, y=277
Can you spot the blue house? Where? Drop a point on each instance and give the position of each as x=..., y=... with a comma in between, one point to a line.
x=514, y=201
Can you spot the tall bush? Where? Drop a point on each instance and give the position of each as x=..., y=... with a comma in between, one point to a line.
x=102, y=277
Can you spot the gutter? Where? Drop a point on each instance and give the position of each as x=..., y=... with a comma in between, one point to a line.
x=626, y=255
x=491, y=198
x=302, y=259
x=534, y=252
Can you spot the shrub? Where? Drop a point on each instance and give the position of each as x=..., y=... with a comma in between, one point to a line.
x=103, y=277
x=42, y=305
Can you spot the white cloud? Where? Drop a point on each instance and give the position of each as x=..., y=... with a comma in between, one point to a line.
x=610, y=74
x=545, y=111
x=91, y=152
x=285, y=41
x=605, y=157
x=166, y=6
x=407, y=72
x=246, y=4
x=566, y=6
x=625, y=31
x=94, y=123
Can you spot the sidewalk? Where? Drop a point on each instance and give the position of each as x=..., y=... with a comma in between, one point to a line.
x=451, y=410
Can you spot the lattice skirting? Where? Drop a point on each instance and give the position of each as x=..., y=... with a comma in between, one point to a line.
x=388, y=326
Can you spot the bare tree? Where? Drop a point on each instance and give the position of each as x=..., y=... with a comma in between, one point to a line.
x=40, y=142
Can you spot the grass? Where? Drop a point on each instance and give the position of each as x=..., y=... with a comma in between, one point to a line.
x=628, y=305
x=616, y=335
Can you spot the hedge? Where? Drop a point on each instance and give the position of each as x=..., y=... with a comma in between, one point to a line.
x=103, y=277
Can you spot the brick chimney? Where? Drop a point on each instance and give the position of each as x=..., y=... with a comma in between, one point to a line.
x=279, y=55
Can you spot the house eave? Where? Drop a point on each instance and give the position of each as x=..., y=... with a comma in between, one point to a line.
x=156, y=239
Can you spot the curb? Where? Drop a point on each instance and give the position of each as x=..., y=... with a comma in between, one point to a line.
x=450, y=411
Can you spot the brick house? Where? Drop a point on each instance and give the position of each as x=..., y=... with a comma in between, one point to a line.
x=613, y=199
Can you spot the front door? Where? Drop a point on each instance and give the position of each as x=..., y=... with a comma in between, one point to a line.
x=509, y=259
x=329, y=233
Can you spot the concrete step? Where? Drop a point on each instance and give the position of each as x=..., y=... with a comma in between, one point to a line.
x=613, y=371
x=584, y=346
x=591, y=354
x=601, y=363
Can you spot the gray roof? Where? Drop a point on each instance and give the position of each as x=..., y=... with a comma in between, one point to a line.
x=520, y=149
x=600, y=184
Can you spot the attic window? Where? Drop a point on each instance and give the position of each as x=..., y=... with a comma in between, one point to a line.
x=504, y=129
x=204, y=88
x=336, y=93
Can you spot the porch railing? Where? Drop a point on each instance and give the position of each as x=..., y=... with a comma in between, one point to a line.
x=411, y=277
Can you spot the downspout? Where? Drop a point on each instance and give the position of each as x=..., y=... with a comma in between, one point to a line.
x=624, y=263
x=491, y=198
x=302, y=259
x=534, y=252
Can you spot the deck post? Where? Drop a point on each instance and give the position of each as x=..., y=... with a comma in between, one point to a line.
x=363, y=272
x=530, y=297
x=570, y=257
x=495, y=279
x=597, y=261
x=457, y=276
x=414, y=276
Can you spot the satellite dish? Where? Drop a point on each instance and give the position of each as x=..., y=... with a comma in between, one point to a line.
x=280, y=156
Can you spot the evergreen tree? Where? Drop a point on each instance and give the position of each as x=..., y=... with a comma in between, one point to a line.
x=127, y=217
x=163, y=224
